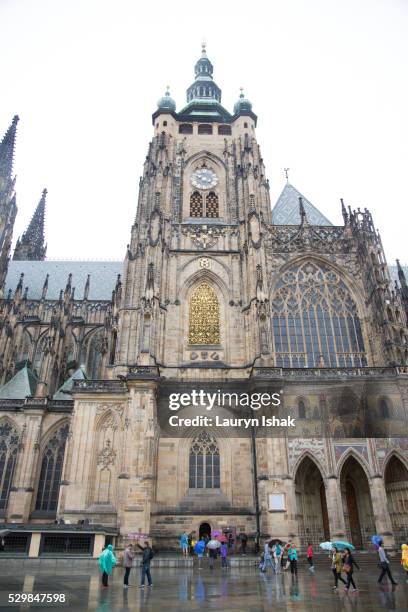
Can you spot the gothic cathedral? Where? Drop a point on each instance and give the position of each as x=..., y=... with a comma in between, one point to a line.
x=217, y=288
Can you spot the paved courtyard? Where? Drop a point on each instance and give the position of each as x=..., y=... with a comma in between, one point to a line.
x=236, y=589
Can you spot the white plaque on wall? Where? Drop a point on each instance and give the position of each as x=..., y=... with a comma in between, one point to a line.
x=277, y=502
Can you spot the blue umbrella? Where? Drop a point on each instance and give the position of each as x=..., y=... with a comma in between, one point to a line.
x=376, y=540
x=341, y=545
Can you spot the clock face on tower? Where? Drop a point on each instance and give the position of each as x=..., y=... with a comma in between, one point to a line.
x=204, y=178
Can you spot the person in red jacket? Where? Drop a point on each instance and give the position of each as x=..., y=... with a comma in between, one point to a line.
x=309, y=555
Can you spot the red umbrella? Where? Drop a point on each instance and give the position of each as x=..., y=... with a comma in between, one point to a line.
x=222, y=538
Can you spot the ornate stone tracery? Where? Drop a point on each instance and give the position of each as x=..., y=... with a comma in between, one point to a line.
x=315, y=319
x=204, y=462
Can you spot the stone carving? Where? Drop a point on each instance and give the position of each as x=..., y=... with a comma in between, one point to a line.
x=107, y=455
x=203, y=236
x=322, y=239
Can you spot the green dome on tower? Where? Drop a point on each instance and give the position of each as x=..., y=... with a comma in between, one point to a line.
x=167, y=102
x=242, y=104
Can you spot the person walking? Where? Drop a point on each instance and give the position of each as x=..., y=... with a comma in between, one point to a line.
x=107, y=562
x=267, y=560
x=128, y=557
x=336, y=560
x=224, y=554
x=212, y=555
x=184, y=543
x=147, y=556
x=277, y=556
x=199, y=549
x=404, y=558
x=293, y=559
x=348, y=566
x=244, y=541
x=310, y=556
x=384, y=564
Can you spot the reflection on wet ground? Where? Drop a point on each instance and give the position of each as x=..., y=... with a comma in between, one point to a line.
x=233, y=589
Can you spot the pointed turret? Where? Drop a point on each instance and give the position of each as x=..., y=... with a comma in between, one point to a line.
x=402, y=280
x=7, y=146
x=31, y=247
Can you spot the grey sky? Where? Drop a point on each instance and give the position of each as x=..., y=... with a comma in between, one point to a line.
x=328, y=81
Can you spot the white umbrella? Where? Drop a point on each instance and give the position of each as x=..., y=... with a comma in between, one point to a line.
x=326, y=545
x=213, y=544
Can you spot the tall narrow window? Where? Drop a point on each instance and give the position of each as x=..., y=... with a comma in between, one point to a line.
x=9, y=439
x=384, y=409
x=196, y=204
x=302, y=409
x=51, y=471
x=315, y=320
x=211, y=205
x=204, y=463
x=204, y=316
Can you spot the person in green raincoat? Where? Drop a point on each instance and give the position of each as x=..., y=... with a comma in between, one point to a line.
x=107, y=561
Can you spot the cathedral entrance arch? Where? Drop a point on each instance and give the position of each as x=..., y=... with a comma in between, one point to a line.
x=396, y=486
x=204, y=530
x=311, y=503
x=358, y=509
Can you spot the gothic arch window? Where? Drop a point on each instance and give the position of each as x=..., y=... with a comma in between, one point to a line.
x=204, y=463
x=315, y=320
x=51, y=471
x=211, y=205
x=204, y=316
x=196, y=204
x=92, y=353
x=301, y=409
x=384, y=408
x=9, y=439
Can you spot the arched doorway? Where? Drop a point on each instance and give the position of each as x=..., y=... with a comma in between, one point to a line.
x=358, y=509
x=205, y=530
x=396, y=486
x=312, y=515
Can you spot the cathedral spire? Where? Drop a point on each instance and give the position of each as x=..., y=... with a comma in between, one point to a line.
x=31, y=247
x=204, y=87
x=402, y=280
x=7, y=146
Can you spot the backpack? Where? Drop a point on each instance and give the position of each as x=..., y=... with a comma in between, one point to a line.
x=151, y=554
x=278, y=550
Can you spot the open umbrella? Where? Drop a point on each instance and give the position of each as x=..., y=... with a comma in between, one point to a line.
x=340, y=545
x=222, y=538
x=326, y=545
x=276, y=541
x=214, y=544
x=376, y=540
x=215, y=534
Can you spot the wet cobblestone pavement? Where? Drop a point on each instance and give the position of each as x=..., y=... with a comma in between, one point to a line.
x=235, y=589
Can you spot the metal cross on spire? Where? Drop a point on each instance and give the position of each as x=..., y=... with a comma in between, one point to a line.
x=286, y=171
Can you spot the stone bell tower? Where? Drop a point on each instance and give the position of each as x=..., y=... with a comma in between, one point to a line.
x=195, y=251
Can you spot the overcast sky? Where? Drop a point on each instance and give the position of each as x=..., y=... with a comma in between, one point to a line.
x=327, y=78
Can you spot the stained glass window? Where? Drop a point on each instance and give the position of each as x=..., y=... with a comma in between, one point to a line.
x=315, y=320
x=204, y=316
x=9, y=439
x=204, y=464
x=51, y=471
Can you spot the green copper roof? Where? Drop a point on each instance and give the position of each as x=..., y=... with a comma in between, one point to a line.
x=22, y=384
x=63, y=392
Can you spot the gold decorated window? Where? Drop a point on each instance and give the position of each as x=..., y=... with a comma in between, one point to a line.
x=204, y=316
x=211, y=205
x=196, y=204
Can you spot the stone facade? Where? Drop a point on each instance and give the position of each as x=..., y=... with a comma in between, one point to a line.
x=309, y=309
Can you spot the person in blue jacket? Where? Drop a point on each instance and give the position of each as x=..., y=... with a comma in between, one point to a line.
x=199, y=549
x=293, y=559
x=184, y=543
